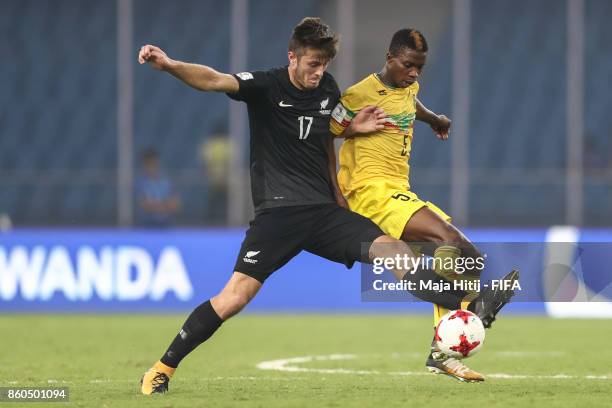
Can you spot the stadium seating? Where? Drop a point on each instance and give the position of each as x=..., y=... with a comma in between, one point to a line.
x=517, y=149
x=58, y=119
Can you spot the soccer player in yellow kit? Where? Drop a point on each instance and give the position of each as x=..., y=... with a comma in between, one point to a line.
x=374, y=174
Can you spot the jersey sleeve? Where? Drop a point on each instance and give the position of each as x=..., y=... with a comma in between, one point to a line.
x=251, y=85
x=342, y=115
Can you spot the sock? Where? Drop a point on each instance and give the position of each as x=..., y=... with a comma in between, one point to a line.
x=440, y=311
x=444, y=261
x=199, y=326
x=467, y=301
x=449, y=299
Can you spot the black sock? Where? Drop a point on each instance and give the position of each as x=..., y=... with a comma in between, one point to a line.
x=199, y=326
x=450, y=300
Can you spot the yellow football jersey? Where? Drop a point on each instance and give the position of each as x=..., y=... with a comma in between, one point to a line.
x=383, y=155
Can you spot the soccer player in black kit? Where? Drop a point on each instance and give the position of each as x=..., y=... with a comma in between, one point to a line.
x=294, y=187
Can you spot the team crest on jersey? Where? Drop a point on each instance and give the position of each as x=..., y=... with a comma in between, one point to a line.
x=245, y=76
x=249, y=257
x=324, y=103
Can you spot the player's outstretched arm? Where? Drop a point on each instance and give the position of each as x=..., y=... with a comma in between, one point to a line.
x=197, y=76
x=440, y=124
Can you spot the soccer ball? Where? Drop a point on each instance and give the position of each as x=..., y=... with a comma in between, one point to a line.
x=460, y=334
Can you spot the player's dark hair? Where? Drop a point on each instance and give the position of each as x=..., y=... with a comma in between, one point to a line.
x=407, y=38
x=312, y=32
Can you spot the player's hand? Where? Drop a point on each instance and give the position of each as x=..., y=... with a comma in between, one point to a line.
x=154, y=56
x=441, y=126
x=369, y=119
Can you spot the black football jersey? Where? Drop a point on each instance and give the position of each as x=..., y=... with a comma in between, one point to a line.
x=289, y=138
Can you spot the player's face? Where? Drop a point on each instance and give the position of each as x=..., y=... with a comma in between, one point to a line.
x=404, y=68
x=306, y=70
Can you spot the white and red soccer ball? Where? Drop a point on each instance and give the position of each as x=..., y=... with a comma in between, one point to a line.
x=460, y=334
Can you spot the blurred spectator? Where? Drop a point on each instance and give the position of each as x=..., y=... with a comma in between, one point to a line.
x=5, y=222
x=216, y=155
x=157, y=201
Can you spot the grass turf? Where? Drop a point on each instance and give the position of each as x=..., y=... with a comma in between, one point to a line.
x=101, y=359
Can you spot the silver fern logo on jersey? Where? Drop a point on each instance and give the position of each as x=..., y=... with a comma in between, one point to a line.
x=249, y=257
x=245, y=76
x=324, y=103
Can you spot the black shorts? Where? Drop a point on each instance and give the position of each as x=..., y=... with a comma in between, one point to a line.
x=278, y=234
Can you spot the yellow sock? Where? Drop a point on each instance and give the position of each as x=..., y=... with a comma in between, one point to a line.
x=444, y=261
x=439, y=311
x=468, y=299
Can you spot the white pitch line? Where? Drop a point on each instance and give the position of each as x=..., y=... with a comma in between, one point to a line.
x=515, y=354
x=289, y=365
x=132, y=381
x=510, y=354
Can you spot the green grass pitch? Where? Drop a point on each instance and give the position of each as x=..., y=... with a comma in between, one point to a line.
x=531, y=362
